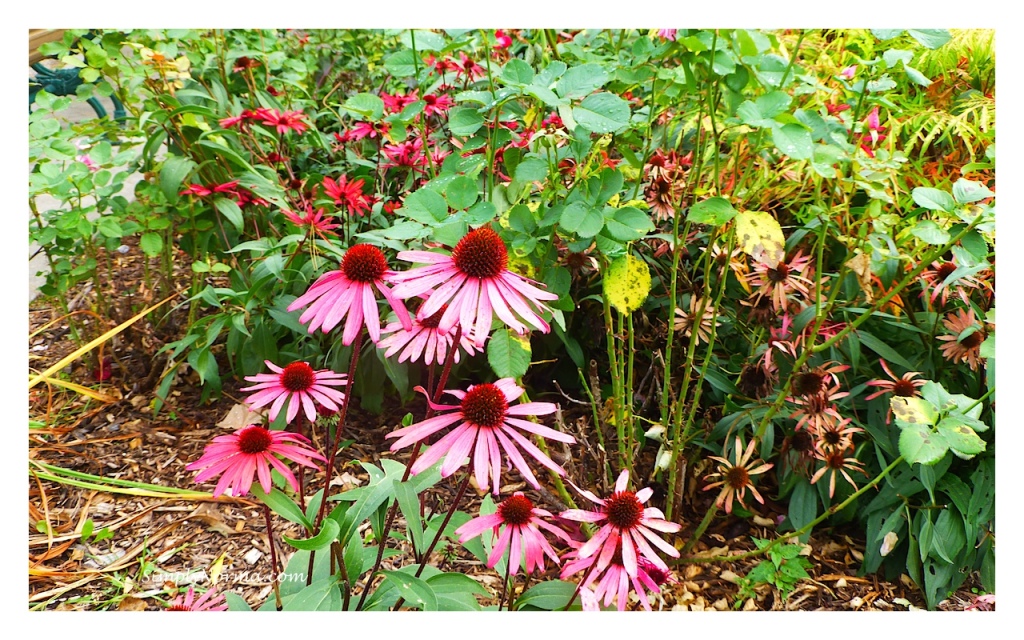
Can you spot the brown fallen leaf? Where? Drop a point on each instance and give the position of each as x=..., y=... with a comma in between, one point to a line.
x=132, y=604
x=209, y=515
x=239, y=416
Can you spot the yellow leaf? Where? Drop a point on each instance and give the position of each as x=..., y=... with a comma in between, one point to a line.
x=913, y=410
x=217, y=569
x=760, y=236
x=627, y=283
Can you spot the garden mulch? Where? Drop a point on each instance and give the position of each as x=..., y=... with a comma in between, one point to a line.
x=161, y=543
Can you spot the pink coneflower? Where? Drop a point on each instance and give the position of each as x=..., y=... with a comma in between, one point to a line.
x=314, y=220
x=297, y=384
x=347, y=193
x=284, y=121
x=424, y=339
x=251, y=450
x=613, y=581
x=817, y=410
x=502, y=40
x=396, y=102
x=466, y=66
x=407, y=154
x=475, y=283
x=781, y=281
x=668, y=34
x=836, y=437
x=349, y=292
x=624, y=520
x=436, y=104
x=209, y=601
x=488, y=425
x=242, y=119
x=516, y=525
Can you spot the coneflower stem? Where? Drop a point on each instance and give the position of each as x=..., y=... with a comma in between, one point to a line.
x=580, y=585
x=393, y=510
x=274, y=568
x=440, y=531
x=333, y=445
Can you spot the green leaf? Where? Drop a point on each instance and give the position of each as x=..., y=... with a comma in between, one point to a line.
x=916, y=76
x=236, y=602
x=948, y=535
x=886, y=34
x=453, y=583
x=417, y=593
x=627, y=223
x=328, y=534
x=322, y=595
x=967, y=191
x=462, y=193
x=714, y=211
x=930, y=38
x=803, y=505
x=933, y=199
x=961, y=438
x=550, y=595
x=882, y=349
x=425, y=40
x=508, y=355
x=517, y=71
x=282, y=505
x=229, y=209
x=582, y=219
x=602, y=113
x=774, y=103
x=913, y=411
x=367, y=105
x=464, y=121
x=920, y=445
x=172, y=176
x=794, y=140
x=893, y=56
x=152, y=244
x=401, y=64
x=409, y=503
x=580, y=81
x=425, y=206
x=930, y=232
x=531, y=170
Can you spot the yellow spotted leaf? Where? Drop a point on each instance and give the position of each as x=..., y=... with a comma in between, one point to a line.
x=627, y=283
x=913, y=410
x=760, y=237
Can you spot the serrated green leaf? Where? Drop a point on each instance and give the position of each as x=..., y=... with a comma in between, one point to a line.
x=508, y=355
x=464, y=121
x=920, y=445
x=960, y=437
x=933, y=199
x=794, y=140
x=152, y=244
x=582, y=219
x=930, y=232
x=967, y=191
x=713, y=211
x=581, y=80
x=517, y=71
x=365, y=105
x=462, y=192
x=602, y=113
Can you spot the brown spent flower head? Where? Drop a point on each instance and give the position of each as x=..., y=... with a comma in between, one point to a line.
x=968, y=348
x=736, y=476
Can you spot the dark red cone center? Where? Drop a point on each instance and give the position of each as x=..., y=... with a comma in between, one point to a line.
x=624, y=509
x=779, y=273
x=298, y=376
x=254, y=439
x=364, y=263
x=434, y=320
x=484, y=406
x=481, y=254
x=810, y=383
x=904, y=388
x=517, y=510
x=737, y=477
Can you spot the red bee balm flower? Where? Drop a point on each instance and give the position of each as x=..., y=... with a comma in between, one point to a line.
x=625, y=520
x=349, y=291
x=487, y=425
x=475, y=283
x=347, y=194
x=251, y=450
x=295, y=384
x=284, y=122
